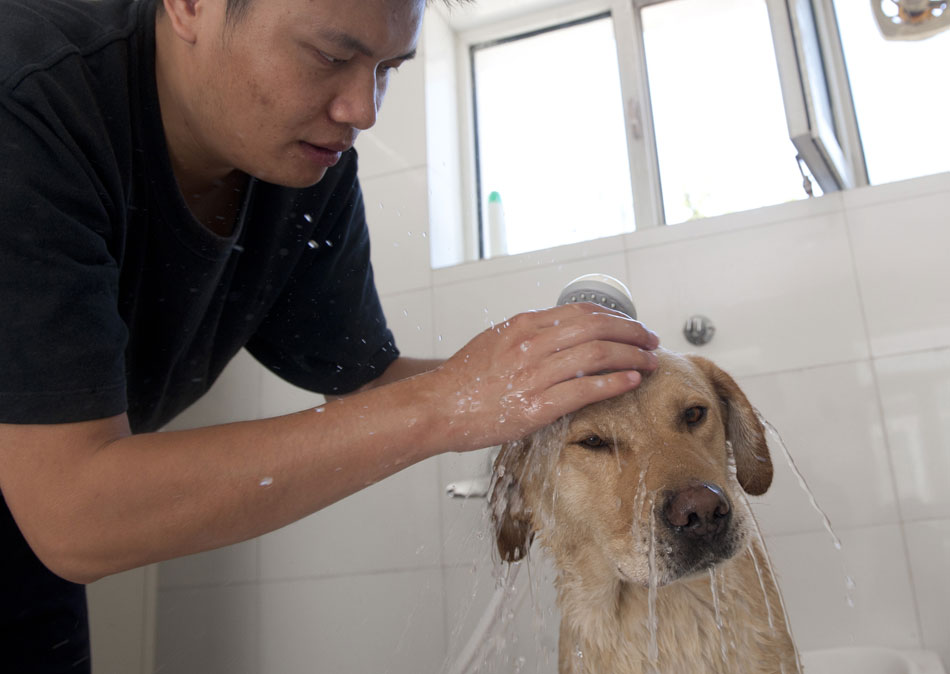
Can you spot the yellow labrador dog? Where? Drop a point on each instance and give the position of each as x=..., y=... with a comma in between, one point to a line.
x=639, y=501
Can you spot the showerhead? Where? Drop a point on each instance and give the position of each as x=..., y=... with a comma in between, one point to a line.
x=911, y=19
x=600, y=289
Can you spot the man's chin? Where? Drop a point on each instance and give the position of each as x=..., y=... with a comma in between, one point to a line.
x=295, y=180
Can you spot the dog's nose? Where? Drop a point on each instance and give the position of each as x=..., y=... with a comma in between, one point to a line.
x=699, y=511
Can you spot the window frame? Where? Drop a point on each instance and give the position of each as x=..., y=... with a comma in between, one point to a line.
x=829, y=146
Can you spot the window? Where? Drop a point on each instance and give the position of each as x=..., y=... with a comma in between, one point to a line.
x=551, y=149
x=584, y=118
x=721, y=134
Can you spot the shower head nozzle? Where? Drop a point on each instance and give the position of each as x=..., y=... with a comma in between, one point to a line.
x=600, y=289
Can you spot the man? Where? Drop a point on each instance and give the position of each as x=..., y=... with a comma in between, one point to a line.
x=177, y=182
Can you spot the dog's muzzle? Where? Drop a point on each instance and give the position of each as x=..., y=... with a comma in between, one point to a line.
x=698, y=527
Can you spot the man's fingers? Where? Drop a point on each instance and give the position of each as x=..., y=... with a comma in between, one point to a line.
x=574, y=394
x=592, y=358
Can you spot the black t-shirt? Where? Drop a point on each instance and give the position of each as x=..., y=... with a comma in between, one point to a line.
x=113, y=298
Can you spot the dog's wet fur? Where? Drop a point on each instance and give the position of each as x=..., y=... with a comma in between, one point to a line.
x=648, y=487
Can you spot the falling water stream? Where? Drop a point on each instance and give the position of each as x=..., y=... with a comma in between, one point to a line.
x=848, y=579
x=653, y=655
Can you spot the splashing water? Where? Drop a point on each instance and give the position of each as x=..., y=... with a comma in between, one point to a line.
x=765, y=594
x=848, y=579
x=714, y=589
x=653, y=654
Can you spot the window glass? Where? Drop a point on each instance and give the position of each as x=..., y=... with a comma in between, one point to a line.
x=901, y=96
x=721, y=134
x=551, y=145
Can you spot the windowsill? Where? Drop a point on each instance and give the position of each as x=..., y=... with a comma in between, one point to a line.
x=665, y=234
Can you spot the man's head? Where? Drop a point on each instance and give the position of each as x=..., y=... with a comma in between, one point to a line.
x=276, y=88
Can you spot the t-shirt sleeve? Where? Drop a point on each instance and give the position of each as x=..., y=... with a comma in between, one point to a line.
x=327, y=332
x=62, y=341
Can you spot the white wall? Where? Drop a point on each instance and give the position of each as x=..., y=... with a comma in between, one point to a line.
x=833, y=313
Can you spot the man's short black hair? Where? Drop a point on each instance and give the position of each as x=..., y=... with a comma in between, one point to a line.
x=236, y=9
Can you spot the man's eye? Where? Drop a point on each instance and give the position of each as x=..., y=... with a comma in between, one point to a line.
x=333, y=60
x=594, y=442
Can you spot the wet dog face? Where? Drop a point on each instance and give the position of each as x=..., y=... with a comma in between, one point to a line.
x=647, y=479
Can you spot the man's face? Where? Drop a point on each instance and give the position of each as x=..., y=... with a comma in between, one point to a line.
x=288, y=87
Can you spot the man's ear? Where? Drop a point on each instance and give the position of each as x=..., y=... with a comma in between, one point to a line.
x=743, y=429
x=511, y=517
x=183, y=17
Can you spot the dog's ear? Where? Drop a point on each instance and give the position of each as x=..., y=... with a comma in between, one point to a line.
x=511, y=517
x=743, y=430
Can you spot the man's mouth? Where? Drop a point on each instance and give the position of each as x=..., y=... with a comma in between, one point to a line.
x=325, y=155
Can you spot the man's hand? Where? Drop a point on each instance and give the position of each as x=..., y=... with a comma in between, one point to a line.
x=529, y=371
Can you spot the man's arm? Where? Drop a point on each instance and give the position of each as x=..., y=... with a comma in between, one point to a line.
x=92, y=499
x=401, y=368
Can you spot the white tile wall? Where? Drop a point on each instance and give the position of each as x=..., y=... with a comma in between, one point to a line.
x=354, y=624
x=209, y=630
x=391, y=525
x=396, y=210
x=915, y=393
x=813, y=574
x=929, y=546
x=901, y=250
x=237, y=563
x=781, y=296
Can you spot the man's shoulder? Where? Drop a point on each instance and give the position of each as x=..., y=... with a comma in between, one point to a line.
x=38, y=34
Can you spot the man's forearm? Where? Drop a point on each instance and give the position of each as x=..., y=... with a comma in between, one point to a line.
x=403, y=368
x=145, y=498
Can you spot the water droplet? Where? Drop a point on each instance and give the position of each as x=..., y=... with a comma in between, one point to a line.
x=267, y=481
x=308, y=217
x=313, y=244
x=329, y=245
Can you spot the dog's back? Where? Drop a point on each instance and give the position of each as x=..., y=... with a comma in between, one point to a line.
x=640, y=501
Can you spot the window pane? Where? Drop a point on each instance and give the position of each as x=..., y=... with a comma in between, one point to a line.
x=901, y=96
x=551, y=138
x=722, y=139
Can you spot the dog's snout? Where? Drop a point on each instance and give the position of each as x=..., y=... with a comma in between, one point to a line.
x=699, y=511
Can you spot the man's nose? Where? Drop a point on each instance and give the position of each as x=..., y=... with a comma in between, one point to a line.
x=357, y=102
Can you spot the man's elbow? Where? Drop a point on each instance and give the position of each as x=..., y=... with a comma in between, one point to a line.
x=66, y=557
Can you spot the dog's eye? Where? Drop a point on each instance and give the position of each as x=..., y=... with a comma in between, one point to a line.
x=694, y=415
x=594, y=442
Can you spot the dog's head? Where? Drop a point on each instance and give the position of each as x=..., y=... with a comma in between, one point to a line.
x=661, y=465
